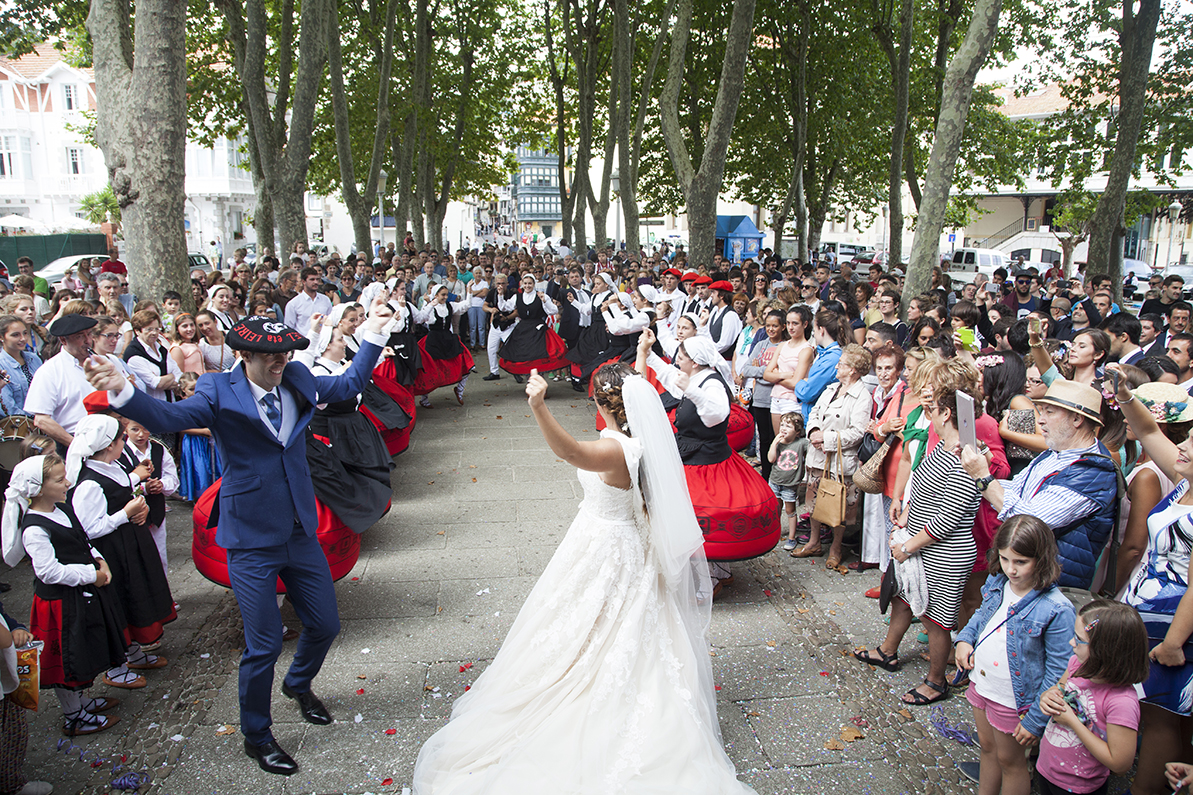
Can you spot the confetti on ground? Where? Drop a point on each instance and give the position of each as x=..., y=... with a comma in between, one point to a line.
x=358, y=718
x=177, y=738
x=365, y=651
x=391, y=732
x=465, y=667
x=204, y=656
x=481, y=592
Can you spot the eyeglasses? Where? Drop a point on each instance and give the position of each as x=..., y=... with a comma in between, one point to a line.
x=112, y=336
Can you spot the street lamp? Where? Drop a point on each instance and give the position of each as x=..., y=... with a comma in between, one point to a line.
x=1174, y=210
x=615, y=186
x=382, y=178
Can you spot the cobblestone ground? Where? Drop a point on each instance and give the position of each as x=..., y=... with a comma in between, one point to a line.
x=479, y=506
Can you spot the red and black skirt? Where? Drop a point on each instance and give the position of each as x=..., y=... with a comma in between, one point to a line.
x=736, y=509
x=440, y=372
x=533, y=346
x=390, y=406
x=84, y=635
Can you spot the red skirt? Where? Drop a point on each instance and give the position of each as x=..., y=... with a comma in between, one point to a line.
x=440, y=372
x=741, y=426
x=736, y=509
x=554, y=360
x=340, y=545
x=46, y=624
x=385, y=376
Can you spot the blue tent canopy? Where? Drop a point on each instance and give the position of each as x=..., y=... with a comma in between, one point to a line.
x=737, y=237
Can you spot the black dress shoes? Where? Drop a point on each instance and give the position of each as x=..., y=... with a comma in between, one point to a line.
x=309, y=705
x=492, y=377
x=271, y=758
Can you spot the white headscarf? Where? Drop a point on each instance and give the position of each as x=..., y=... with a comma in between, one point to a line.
x=649, y=293
x=329, y=325
x=23, y=486
x=369, y=294
x=211, y=296
x=702, y=350
x=627, y=300
x=607, y=279
x=93, y=433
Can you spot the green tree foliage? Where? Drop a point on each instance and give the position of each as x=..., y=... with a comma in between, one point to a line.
x=101, y=207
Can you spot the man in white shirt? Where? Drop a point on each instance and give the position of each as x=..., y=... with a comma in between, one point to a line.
x=307, y=303
x=723, y=323
x=55, y=397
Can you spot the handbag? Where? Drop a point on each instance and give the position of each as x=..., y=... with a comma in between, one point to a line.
x=871, y=475
x=830, y=494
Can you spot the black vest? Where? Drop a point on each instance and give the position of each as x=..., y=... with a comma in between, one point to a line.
x=71, y=546
x=135, y=348
x=699, y=444
x=156, y=502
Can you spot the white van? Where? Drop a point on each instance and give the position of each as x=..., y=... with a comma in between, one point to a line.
x=979, y=260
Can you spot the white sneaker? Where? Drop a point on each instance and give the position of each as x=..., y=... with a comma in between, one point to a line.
x=36, y=788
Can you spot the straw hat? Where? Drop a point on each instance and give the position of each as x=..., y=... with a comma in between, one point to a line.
x=1168, y=403
x=1077, y=398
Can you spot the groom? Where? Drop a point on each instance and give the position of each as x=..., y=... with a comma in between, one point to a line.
x=257, y=413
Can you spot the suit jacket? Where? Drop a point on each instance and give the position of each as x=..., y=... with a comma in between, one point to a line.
x=266, y=487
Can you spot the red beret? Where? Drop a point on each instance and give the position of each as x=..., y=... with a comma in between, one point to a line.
x=96, y=403
x=702, y=280
x=688, y=277
x=672, y=272
x=721, y=285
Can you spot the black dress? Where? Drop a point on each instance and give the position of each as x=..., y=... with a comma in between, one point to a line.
x=137, y=577
x=533, y=344
x=349, y=463
x=81, y=626
x=593, y=347
x=407, y=358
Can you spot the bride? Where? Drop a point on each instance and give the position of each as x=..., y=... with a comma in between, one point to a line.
x=604, y=683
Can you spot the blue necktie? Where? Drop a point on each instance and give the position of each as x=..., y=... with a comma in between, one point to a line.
x=273, y=411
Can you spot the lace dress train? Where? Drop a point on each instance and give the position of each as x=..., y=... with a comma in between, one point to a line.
x=599, y=686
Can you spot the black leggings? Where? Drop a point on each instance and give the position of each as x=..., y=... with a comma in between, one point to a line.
x=1048, y=788
x=766, y=435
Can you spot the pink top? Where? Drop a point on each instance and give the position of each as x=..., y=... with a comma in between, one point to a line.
x=192, y=357
x=1064, y=760
x=786, y=360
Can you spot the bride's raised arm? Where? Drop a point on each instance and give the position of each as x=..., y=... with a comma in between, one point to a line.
x=602, y=455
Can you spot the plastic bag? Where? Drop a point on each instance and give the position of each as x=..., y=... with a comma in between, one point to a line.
x=28, y=672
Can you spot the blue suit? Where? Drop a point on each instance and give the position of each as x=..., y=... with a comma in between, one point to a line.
x=267, y=518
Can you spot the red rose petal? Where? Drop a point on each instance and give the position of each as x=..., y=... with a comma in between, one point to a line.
x=717, y=687
x=360, y=692
x=824, y=673
x=767, y=593
x=467, y=688
x=391, y=732
x=387, y=782
x=465, y=667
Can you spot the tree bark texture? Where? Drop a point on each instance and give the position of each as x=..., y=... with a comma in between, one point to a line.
x=701, y=183
x=1136, y=39
x=559, y=78
x=360, y=202
x=141, y=129
x=900, y=63
x=946, y=145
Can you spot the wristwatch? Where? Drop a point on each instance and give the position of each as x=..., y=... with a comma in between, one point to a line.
x=984, y=483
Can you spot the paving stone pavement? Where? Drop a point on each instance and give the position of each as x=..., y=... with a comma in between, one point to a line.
x=480, y=503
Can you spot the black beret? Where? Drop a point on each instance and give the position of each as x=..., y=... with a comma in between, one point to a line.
x=71, y=324
x=260, y=334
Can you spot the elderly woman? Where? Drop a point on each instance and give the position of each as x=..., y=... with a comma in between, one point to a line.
x=835, y=428
x=1159, y=590
x=17, y=364
x=887, y=418
x=944, y=501
x=149, y=361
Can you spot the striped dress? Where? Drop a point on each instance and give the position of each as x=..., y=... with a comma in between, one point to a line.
x=944, y=502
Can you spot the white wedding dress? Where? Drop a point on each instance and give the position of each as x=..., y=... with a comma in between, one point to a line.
x=600, y=686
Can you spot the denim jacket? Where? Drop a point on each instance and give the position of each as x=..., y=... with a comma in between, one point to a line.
x=1039, y=627
x=14, y=390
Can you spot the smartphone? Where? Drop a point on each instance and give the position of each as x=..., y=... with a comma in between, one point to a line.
x=1033, y=324
x=1114, y=382
x=967, y=338
x=991, y=287
x=966, y=424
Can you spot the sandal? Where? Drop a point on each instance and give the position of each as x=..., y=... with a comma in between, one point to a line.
x=804, y=552
x=81, y=723
x=148, y=662
x=889, y=662
x=833, y=563
x=918, y=699
x=101, y=704
x=126, y=680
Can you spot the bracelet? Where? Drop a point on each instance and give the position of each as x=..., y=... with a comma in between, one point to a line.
x=1125, y=402
x=1039, y=344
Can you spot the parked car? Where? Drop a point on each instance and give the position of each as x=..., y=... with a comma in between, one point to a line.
x=840, y=251
x=54, y=272
x=199, y=261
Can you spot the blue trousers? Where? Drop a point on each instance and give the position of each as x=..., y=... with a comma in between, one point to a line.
x=254, y=573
